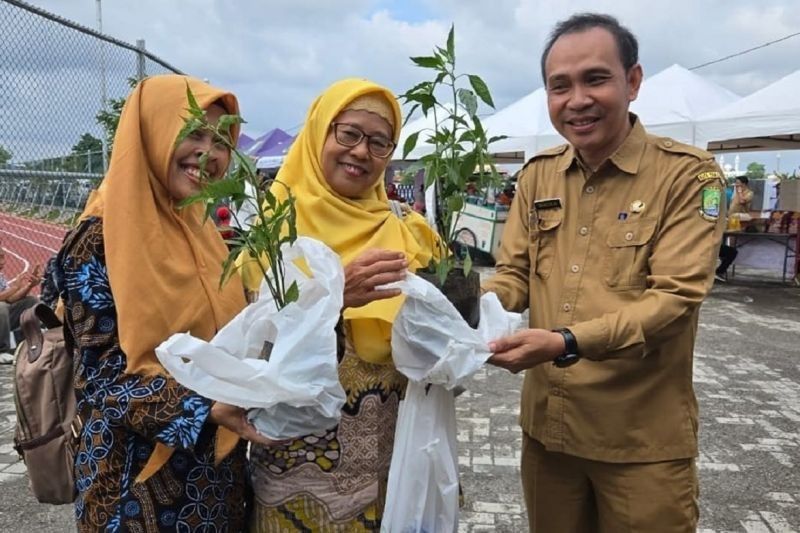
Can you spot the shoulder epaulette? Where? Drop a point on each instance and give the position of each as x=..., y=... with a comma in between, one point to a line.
x=675, y=147
x=550, y=152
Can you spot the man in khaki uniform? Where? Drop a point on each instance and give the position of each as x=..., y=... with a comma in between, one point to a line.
x=611, y=241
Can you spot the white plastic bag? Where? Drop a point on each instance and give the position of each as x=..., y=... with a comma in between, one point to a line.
x=437, y=350
x=297, y=391
x=422, y=493
x=432, y=343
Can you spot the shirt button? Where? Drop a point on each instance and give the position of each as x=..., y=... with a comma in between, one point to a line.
x=584, y=230
x=566, y=307
x=629, y=236
x=668, y=143
x=590, y=189
x=575, y=268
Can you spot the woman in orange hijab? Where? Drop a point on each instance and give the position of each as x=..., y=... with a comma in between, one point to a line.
x=153, y=455
x=336, y=480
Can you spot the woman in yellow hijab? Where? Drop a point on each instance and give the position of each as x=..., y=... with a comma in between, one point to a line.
x=336, y=480
x=152, y=455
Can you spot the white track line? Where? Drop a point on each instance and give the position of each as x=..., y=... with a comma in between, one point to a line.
x=48, y=235
x=35, y=222
x=15, y=236
x=25, y=264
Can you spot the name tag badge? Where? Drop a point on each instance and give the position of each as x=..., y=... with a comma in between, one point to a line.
x=547, y=203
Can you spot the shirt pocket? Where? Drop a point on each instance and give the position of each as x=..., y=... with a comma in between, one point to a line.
x=627, y=255
x=541, y=241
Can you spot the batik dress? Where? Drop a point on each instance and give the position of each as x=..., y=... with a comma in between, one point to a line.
x=333, y=481
x=126, y=414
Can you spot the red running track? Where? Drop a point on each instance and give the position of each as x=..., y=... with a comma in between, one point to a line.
x=27, y=243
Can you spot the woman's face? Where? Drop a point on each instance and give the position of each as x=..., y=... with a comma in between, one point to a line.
x=184, y=178
x=352, y=171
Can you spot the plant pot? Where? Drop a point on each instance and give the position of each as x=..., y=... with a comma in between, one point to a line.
x=464, y=292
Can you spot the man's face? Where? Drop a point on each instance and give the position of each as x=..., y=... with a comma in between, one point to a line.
x=589, y=91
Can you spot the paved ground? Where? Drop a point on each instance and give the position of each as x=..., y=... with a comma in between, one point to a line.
x=747, y=376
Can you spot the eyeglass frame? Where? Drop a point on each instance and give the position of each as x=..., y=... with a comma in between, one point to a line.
x=364, y=135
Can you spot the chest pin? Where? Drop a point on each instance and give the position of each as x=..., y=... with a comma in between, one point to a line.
x=637, y=206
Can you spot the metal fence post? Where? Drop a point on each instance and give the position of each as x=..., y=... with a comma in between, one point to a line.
x=141, y=70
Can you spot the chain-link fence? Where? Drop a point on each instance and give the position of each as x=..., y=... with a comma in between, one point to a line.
x=61, y=88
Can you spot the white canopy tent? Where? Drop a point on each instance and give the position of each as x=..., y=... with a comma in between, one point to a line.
x=768, y=119
x=669, y=104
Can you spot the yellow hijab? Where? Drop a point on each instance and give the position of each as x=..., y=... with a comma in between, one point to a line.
x=164, y=263
x=350, y=226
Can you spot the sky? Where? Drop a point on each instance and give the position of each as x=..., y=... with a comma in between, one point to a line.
x=277, y=55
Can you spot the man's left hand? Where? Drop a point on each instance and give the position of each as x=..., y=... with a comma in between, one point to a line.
x=526, y=349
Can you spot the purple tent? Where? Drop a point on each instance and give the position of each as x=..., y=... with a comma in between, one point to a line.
x=273, y=157
x=268, y=141
x=245, y=142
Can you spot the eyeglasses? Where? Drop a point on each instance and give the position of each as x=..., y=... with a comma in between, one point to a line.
x=350, y=136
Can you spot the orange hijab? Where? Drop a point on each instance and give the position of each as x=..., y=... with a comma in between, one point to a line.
x=164, y=263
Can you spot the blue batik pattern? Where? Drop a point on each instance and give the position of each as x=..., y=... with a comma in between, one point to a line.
x=125, y=415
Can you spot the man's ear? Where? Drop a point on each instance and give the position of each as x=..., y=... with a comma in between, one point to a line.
x=634, y=77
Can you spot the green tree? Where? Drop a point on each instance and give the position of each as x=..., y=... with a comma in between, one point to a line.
x=87, y=143
x=109, y=118
x=5, y=156
x=87, y=155
x=755, y=171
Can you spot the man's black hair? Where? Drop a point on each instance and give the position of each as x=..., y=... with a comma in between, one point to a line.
x=627, y=45
x=743, y=179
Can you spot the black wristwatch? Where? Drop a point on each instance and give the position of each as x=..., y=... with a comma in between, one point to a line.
x=570, y=355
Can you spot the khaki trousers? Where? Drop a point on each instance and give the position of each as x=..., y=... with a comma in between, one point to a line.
x=565, y=494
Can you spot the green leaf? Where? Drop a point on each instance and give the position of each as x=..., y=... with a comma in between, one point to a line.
x=194, y=108
x=410, y=144
x=414, y=167
x=292, y=293
x=410, y=114
x=427, y=62
x=497, y=138
x=478, y=127
x=467, y=263
x=468, y=100
x=455, y=204
x=190, y=125
x=468, y=164
x=226, y=121
x=424, y=99
x=451, y=43
x=480, y=88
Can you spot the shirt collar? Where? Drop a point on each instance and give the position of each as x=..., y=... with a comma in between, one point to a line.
x=626, y=158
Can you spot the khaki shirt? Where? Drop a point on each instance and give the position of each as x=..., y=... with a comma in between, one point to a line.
x=623, y=257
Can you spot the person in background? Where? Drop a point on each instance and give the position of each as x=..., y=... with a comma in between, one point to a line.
x=152, y=454
x=610, y=242
x=15, y=298
x=740, y=204
x=392, y=194
x=742, y=196
x=336, y=480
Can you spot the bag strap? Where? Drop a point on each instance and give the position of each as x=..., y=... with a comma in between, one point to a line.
x=32, y=329
x=47, y=316
x=397, y=209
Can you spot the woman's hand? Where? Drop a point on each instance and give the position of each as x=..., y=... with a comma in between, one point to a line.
x=235, y=419
x=372, y=269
